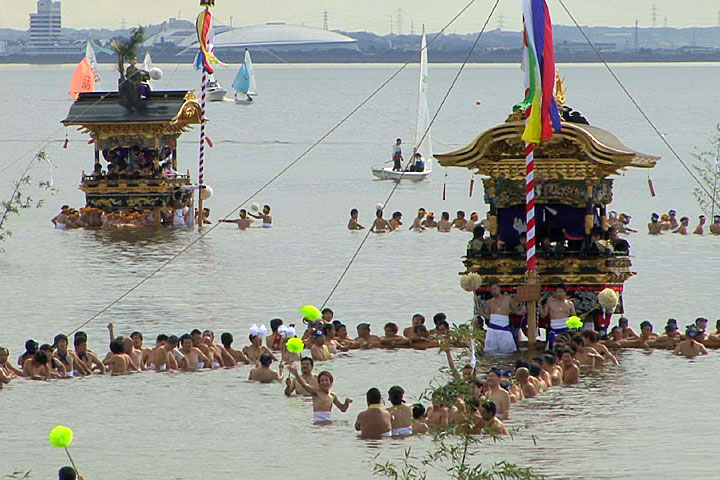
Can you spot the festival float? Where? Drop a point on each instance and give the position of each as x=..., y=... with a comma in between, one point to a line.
x=572, y=173
x=135, y=131
x=124, y=131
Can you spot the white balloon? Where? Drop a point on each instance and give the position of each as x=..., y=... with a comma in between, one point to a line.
x=206, y=193
x=379, y=206
x=255, y=207
x=156, y=73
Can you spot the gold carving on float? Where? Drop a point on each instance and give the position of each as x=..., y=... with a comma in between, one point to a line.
x=560, y=90
x=591, y=271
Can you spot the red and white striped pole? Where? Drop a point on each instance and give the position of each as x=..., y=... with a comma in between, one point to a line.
x=201, y=160
x=531, y=277
x=530, y=205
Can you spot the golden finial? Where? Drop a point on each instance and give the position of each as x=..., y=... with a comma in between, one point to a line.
x=560, y=90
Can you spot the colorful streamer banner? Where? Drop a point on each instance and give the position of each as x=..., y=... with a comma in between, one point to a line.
x=539, y=68
x=205, y=57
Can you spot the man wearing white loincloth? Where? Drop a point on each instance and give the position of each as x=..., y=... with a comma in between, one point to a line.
x=499, y=338
x=560, y=309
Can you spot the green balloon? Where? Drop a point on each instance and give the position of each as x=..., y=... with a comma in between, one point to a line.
x=60, y=436
x=310, y=313
x=295, y=345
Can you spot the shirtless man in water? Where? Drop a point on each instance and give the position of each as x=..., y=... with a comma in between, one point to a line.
x=497, y=394
x=380, y=225
x=401, y=412
x=243, y=222
x=128, y=347
x=587, y=356
x=499, y=338
x=119, y=362
x=306, y=369
x=323, y=397
x=263, y=373
x=7, y=369
x=715, y=227
x=237, y=355
x=549, y=364
x=560, y=310
x=417, y=319
x=690, y=347
x=460, y=220
x=571, y=372
x=87, y=356
x=492, y=425
x=353, y=223
x=419, y=426
x=592, y=340
x=193, y=355
x=365, y=339
x=264, y=216
x=655, y=227
x=36, y=368
x=438, y=414
x=523, y=377
x=164, y=358
x=376, y=421
x=417, y=223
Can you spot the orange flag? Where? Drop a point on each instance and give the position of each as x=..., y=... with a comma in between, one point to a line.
x=83, y=80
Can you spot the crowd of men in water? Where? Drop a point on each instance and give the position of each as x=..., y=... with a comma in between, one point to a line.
x=600, y=241
x=668, y=222
x=425, y=220
x=483, y=408
x=90, y=217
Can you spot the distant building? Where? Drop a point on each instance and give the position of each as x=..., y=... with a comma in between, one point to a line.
x=46, y=30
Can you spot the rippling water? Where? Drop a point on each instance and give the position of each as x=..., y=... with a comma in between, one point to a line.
x=650, y=418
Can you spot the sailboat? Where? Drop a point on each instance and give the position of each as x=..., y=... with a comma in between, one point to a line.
x=86, y=73
x=423, y=141
x=244, y=83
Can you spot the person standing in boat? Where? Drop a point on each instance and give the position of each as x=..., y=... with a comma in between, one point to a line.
x=397, y=155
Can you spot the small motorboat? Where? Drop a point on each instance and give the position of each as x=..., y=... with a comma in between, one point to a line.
x=214, y=91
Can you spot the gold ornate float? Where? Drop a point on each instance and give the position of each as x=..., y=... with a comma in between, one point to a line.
x=573, y=171
x=117, y=127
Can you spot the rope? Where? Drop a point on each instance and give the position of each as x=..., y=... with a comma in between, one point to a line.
x=204, y=233
x=392, y=192
x=637, y=105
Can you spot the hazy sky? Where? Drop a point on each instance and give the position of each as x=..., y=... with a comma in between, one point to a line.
x=371, y=15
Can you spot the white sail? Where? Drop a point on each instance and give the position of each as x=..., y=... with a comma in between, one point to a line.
x=252, y=89
x=423, y=113
x=147, y=62
x=90, y=55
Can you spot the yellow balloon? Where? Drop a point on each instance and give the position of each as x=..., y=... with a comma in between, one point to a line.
x=295, y=345
x=310, y=313
x=574, y=323
x=60, y=436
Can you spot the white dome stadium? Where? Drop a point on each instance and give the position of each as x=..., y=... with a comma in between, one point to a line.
x=280, y=34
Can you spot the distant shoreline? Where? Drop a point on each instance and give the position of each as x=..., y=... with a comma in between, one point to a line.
x=394, y=57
